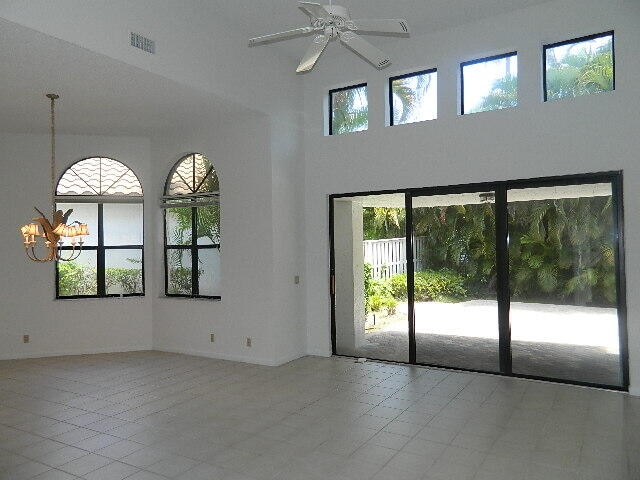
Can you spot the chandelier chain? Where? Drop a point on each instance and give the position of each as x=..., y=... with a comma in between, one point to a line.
x=53, y=154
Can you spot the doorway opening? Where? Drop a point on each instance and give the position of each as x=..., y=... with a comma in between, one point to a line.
x=521, y=278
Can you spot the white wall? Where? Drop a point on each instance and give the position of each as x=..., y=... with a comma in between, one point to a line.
x=27, y=289
x=259, y=247
x=194, y=45
x=258, y=155
x=587, y=134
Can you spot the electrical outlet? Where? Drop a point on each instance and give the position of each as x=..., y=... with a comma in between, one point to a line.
x=25, y=339
x=248, y=341
x=296, y=279
x=212, y=337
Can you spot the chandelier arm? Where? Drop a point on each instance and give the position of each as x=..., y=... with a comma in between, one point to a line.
x=75, y=253
x=31, y=253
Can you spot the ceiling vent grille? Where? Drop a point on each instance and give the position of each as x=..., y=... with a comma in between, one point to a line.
x=143, y=43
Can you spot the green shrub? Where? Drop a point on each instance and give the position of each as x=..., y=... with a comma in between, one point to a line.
x=128, y=279
x=76, y=279
x=430, y=285
x=368, y=276
x=386, y=302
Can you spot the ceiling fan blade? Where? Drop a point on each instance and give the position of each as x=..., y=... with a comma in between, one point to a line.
x=387, y=25
x=280, y=36
x=314, y=10
x=363, y=48
x=313, y=53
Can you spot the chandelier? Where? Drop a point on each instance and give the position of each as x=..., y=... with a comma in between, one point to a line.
x=55, y=232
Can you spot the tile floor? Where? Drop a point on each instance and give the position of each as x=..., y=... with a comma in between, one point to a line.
x=158, y=416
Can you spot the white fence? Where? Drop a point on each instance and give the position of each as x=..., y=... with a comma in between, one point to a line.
x=388, y=257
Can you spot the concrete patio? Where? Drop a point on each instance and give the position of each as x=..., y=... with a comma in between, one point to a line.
x=555, y=341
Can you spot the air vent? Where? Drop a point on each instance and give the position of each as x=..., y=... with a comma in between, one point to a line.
x=384, y=63
x=404, y=26
x=143, y=43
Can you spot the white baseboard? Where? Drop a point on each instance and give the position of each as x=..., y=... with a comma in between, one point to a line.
x=319, y=353
x=61, y=353
x=269, y=362
x=634, y=391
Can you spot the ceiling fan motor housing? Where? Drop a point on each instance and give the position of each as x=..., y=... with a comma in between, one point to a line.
x=338, y=11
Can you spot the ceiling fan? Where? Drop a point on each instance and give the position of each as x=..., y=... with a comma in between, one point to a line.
x=330, y=22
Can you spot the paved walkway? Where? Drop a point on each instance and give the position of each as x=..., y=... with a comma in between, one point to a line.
x=559, y=341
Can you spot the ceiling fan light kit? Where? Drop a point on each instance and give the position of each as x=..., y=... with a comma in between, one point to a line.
x=331, y=22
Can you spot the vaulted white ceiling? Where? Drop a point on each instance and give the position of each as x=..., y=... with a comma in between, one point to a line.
x=259, y=17
x=101, y=95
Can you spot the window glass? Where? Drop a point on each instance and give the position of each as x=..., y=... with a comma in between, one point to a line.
x=209, y=271
x=192, y=199
x=179, y=271
x=490, y=83
x=178, y=225
x=579, y=67
x=349, y=110
x=105, y=188
x=122, y=224
x=83, y=213
x=79, y=277
x=123, y=271
x=208, y=224
x=414, y=97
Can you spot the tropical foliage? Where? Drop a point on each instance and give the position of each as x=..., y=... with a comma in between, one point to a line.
x=350, y=107
x=581, y=71
x=81, y=279
x=430, y=285
x=349, y=110
x=383, y=222
x=503, y=94
x=179, y=224
x=408, y=94
x=560, y=250
x=377, y=294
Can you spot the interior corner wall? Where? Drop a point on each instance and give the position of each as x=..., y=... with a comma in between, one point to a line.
x=287, y=163
x=27, y=289
x=535, y=139
x=240, y=148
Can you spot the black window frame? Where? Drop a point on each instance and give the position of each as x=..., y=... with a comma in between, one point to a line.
x=474, y=62
x=584, y=38
x=615, y=178
x=101, y=248
x=193, y=246
x=428, y=71
x=341, y=89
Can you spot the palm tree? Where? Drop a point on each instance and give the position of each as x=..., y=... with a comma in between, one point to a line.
x=407, y=94
x=503, y=94
x=349, y=110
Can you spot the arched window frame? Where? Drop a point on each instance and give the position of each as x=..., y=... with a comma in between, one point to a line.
x=192, y=193
x=107, y=184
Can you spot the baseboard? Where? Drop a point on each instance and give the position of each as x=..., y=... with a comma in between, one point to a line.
x=319, y=353
x=62, y=353
x=269, y=362
x=288, y=358
x=634, y=391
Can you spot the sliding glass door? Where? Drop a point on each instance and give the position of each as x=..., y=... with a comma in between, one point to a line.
x=521, y=278
x=564, y=300
x=369, y=263
x=454, y=280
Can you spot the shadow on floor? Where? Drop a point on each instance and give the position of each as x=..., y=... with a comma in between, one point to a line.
x=566, y=362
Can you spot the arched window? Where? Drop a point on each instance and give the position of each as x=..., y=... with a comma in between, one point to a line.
x=107, y=196
x=192, y=229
